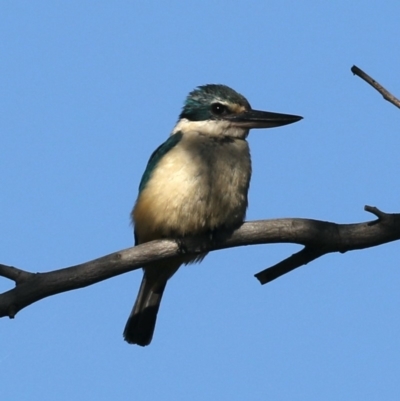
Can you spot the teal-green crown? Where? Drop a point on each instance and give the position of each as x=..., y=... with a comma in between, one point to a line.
x=198, y=104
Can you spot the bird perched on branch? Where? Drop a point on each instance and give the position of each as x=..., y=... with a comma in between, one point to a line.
x=195, y=183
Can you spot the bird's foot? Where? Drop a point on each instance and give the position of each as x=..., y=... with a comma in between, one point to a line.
x=183, y=249
x=194, y=245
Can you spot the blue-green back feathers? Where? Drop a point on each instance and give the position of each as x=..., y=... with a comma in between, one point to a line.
x=156, y=156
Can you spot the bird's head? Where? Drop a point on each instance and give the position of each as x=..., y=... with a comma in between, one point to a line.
x=219, y=110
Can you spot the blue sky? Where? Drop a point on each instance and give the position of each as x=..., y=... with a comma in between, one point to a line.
x=89, y=89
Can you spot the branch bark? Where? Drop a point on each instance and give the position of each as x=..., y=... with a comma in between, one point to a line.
x=318, y=238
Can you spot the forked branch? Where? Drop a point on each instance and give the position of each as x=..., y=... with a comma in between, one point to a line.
x=317, y=237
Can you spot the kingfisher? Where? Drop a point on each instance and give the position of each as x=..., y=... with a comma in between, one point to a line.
x=195, y=183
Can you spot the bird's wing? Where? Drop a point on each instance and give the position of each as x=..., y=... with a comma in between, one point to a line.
x=156, y=156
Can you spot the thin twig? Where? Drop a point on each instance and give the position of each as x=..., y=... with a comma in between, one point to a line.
x=385, y=93
x=306, y=255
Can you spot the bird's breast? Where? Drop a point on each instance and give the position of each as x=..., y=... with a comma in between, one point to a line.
x=199, y=185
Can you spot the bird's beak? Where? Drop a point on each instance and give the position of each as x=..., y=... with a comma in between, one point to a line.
x=262, y=119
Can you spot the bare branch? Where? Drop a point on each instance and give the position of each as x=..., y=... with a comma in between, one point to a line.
x=374, y=210
x=318, y=238
x=386, y=94
x=14, y=274
x=306, y=255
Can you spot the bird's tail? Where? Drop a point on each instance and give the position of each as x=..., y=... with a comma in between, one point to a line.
x=140, y=326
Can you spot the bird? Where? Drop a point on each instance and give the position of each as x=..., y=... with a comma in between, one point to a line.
x=195, y=183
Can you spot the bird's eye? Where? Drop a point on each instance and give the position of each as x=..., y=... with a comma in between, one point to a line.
x=219, y=109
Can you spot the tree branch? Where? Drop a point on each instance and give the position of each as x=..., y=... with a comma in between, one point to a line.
x=386, y=94
x=318, y=238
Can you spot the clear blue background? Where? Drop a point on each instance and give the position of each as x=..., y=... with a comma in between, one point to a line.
x=89, y=89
